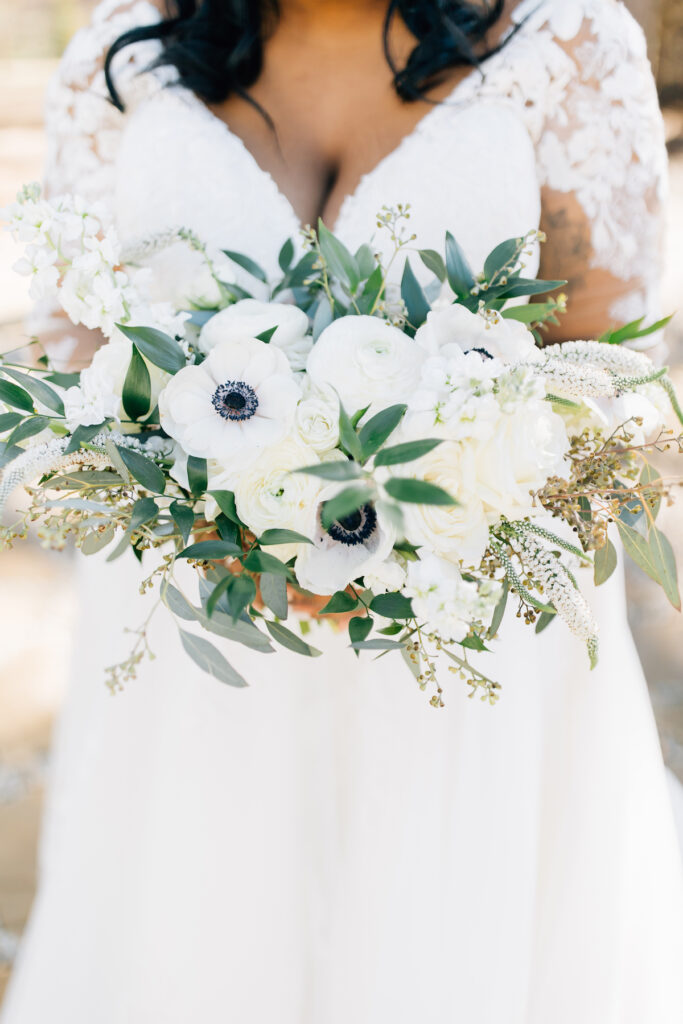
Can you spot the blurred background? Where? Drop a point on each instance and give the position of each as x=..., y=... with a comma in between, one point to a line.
x=36, y=603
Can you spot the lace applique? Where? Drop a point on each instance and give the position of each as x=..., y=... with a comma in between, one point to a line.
x=83, y=126
x=579, y=76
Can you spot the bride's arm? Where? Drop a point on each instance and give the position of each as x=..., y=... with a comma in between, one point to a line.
x=82, y=132
x=602, y=163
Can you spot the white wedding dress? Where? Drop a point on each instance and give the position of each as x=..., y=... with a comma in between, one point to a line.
x=324, y=847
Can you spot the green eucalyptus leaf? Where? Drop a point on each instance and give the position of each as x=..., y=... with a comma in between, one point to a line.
x=9, y=420
x=604, y=562
x=341, y=263
x=265, y=336
x=197, y=475
x=178, y=603
x=414, y=297
x=210, y=659
x=183, y=517
x=323, y=317
x=41, y=391
x=419, y=492
x=211, y=550
x=341, y=470
x=290, y=640
x=274, y=593
x=263, y=561
x=392, y=606
x=543, y=621
x=377, y=644
x=286, y=255
x=29, y=428
x=501, y=256
x=339, y=603
x=247, y=264
x=226, y=503
x=379, y=428
x=360, y=627
x=143, y=511
x=499, y=612
x=143, y=469
x=348, y=436
x=283, y=537
x=343, y=504
x=434, y=262
x=365, y=261
x=137, y=387
x=407, y=452
x=82, y=435
x=161, y=349
x=460, y=276
x=12, y=394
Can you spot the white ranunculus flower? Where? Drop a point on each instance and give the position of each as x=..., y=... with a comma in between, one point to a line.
x=649, y=403
x=487, y=332
x=240, y=400
x=250, y=318
x=446, y=603
x=367, y=361
x=351, y=547
x=456, y=532
x=270, y=495
x=99, y=394
x=317, y=417
x=528, y=447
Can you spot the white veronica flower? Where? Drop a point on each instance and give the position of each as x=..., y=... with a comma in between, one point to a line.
x=367, y=361
x=447, y=604
x=352, y=546
x=249, y=318
x=101, y=385
x=241, y=399
x=269, y=494
x=456, y=532
x=317, y=417
x=486, y=332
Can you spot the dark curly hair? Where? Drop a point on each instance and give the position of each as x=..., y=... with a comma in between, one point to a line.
x=217, y=46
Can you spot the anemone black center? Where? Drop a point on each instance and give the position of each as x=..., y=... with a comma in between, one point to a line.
x=355, y=528
x=480, y=351
x=235, y=400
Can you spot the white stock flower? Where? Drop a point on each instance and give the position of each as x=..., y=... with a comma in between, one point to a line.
x=99, y=394
x=444, y=602
x=352, y=546
x=454, y=398
x=270, y=495
x=317, y=417
x=507, y=340
x=456, y=532
x=240, y=400
x=249, y=318
x=367, y=361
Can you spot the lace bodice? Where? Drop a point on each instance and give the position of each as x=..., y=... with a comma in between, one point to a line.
x=564, y=117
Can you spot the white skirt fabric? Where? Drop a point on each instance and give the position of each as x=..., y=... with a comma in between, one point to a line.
x=326, y=848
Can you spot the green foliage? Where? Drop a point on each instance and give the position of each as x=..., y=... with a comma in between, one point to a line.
x=143, y=469
x=419, y=492
x=161, y=349
x=137, y=387
x=407, y=452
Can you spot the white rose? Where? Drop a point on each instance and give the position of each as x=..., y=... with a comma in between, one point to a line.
x=270, y=495
x=528, y=447
x=240, y=400
x=487, y=332
x=251, y=318
x=317, y=417
x=367, y=361
x=456, y=532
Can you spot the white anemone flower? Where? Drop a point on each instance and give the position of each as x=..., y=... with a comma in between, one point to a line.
x=251, y=318
x=367, y=361
x=240, y=400
x=351, y=547
x=487, y=333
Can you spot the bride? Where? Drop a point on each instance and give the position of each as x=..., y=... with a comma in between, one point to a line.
x=324, y=847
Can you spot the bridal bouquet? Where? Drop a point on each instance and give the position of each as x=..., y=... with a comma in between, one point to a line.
x=413, y=454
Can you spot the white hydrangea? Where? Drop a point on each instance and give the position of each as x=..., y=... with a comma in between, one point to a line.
x=447, y=604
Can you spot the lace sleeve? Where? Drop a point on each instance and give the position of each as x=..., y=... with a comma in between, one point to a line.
x=602, y=163
x=82, y=125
